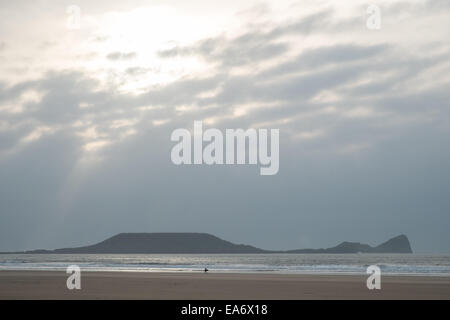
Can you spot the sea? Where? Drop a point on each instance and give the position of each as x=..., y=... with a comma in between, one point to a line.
x=391, y=264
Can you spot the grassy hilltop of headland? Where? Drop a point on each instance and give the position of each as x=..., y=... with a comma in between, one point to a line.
x=127, y=243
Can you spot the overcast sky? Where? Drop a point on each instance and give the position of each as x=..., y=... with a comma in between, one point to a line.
x=86, y=116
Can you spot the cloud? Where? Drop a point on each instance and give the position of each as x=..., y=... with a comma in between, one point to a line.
x=363, y=119
x=256, y=45
x=121, y=55
x=139, y=71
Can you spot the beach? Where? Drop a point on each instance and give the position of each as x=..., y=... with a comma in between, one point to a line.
x=172, y=285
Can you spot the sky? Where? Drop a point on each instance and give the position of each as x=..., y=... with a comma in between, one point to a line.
x=88, y=103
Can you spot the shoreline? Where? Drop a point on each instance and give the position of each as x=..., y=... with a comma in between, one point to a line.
x=216, y=286
x=243, y=272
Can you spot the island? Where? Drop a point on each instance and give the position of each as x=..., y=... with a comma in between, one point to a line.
x=204, y=243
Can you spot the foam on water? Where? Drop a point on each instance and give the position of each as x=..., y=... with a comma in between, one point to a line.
x=408, y=264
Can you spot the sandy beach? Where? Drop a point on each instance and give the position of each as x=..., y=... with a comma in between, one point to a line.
x=143, y=285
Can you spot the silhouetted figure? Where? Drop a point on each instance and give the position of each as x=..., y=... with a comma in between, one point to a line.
x=206, y=270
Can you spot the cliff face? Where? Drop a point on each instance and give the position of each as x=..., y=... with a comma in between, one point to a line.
x=205, y=243
x=398, y=244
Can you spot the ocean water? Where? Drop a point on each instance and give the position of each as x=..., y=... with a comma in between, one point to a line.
x=398, y=264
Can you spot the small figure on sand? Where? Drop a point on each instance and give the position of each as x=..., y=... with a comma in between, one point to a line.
x=206, y=270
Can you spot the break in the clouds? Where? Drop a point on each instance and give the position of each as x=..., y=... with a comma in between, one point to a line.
x=86, y=117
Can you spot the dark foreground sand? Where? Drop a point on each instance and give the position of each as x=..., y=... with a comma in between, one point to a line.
x=140, y=285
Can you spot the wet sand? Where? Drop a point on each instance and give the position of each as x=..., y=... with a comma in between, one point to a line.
x=143, y=285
